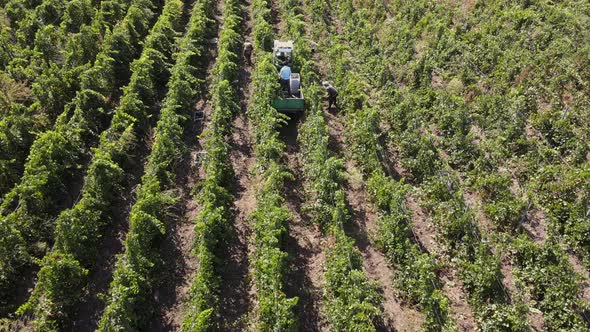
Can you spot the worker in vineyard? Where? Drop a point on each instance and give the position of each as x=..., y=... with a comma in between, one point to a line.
x=248, y=53
x=282, y=58
x=285, y=75
x=332, y=94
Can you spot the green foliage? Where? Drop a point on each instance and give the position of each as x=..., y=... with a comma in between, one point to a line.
x=553, y=284
x=16, y=134
x=416, y=277
x=31, y=206
x=262, y=31
x=214, y=197
x=365, y=139
x=78, y=230
x=14, y=252
x=430, y=130
x=353, y=301
x=563, y=193
x=135, y=274
x=500, y=205
x=323, y=172
x=275, y=311
x=130, y=291
x=52, y=298
x=77, y=14
x=419, y=155
x=491, y=95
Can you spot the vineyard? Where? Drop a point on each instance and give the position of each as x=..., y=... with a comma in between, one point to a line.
x=150, y=182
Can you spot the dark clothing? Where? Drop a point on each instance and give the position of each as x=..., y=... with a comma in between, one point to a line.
x=332, y=101
x=285, y=86
x=332, y=94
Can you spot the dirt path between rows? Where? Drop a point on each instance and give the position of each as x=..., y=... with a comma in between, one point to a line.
x=180, y=261
x=534, y=225
x=398, y=316
x=238, y=293
x=177, y=247
x=305, y=242
x=453, y=288
x=583, y=272
x=90, y=310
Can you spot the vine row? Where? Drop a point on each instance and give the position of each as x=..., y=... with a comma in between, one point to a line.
x=214, y=196
x=352, y=301
x=79, y=230
x=275, y=311
x=137, y=270
x=29, y=209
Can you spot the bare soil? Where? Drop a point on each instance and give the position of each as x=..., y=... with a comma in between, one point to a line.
x=277, y=23
x=467, y=6
x=422, y=227
x=581, y=270
x=176, y=248
x=473, y=202
x=508, y=280
x=535, y=225
x=398, y=316
x=237, y=294
x=305, y=243
x=453, y=288
x=180, y=263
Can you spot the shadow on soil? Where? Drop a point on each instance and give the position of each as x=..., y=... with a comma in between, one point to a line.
x=298, y=283
x=235, y=299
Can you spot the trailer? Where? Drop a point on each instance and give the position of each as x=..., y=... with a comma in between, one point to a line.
x=289, y=100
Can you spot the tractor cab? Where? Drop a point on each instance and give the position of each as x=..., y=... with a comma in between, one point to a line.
x=283, y=53
x=290, y=98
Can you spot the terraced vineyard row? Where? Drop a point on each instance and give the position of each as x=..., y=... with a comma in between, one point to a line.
x=151, y=179
x=50, y=62
x=52, y=167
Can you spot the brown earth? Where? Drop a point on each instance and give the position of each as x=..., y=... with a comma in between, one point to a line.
x=453, y=288
x=305, y=243
x=582, y=271
x=177, y=247
x=238, y=293
x=535, y=224
x=398, y=316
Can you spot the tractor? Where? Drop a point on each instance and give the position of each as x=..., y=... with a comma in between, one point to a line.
x=290, y=100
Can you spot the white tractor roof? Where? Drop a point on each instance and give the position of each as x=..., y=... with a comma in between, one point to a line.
x=283, y=44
